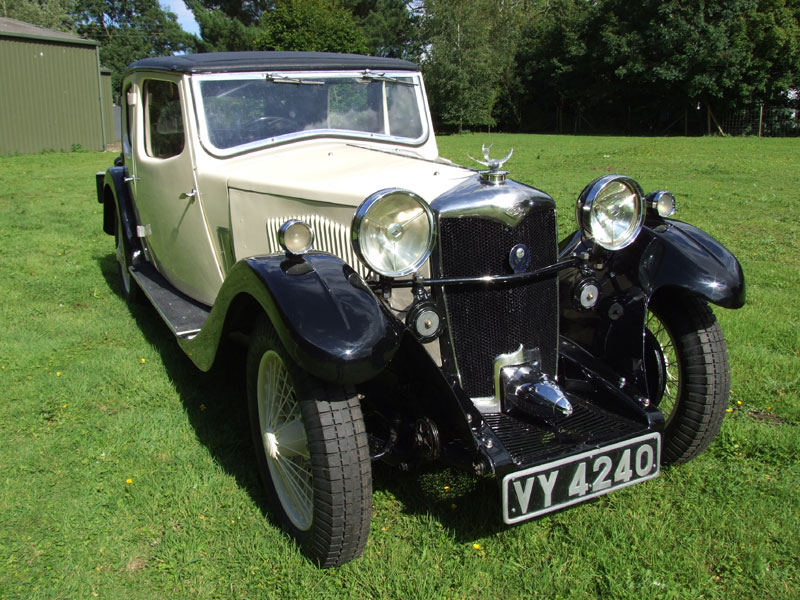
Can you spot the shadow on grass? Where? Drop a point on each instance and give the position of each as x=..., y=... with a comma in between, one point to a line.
x=215, y=402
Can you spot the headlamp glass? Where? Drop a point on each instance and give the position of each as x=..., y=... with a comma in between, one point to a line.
x=610, y=211
x=393, y=232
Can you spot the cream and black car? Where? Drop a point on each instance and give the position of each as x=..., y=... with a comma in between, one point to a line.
x=398, y=307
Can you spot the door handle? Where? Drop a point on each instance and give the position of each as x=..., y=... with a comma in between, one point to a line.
x=129, y=179
x=190, y=195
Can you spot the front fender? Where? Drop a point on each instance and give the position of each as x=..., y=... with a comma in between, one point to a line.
x=680, y=255
x=330, y=322
x=671, y=255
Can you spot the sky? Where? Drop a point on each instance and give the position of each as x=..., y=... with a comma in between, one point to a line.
x=185, y=16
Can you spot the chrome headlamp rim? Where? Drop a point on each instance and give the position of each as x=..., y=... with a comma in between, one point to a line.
x=662, y=203
x=358, y=221
x=587, y=198
x=284, y=229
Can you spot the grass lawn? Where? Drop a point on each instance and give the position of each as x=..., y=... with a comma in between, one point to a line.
x=126, y=473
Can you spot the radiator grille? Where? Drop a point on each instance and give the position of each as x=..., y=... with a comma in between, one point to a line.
x=329, y=236
x=487, y=322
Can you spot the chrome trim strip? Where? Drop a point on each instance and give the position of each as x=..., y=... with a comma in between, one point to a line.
x=495, y=279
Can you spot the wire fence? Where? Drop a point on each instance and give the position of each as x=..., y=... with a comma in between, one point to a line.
x=763, y=121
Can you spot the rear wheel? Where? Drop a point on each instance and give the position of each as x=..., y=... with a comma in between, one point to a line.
x=688, y=374
x=130, y=289
x=312, y=452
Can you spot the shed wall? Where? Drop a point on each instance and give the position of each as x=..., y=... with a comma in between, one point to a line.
x=49, y=97
x=108, y=108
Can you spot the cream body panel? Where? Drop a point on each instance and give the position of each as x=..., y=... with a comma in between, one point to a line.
x=178, y=240
x=321, y=186
x=342, y=173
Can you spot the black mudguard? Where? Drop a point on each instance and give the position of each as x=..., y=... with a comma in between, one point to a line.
x=114, y=190
x=670, y=255
x=680, y=255
x=328, y=319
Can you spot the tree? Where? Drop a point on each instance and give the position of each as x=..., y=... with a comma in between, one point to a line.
x=309, y=25
x=469, y=53
x=129, y=30
x=51, y=14
x=640, y=66
x=391, y=27
x=227, y=25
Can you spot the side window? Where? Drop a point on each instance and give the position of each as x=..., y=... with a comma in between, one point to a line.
x=127, y=117
x=163, y=127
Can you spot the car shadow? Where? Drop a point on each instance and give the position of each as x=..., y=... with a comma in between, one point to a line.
x=215, y=403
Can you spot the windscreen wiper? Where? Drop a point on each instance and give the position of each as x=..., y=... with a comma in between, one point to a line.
x=373, y=76
x=275, y=78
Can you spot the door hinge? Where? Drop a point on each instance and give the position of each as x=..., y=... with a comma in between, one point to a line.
x=143, y=230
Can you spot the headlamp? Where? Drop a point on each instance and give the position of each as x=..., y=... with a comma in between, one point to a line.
x=296, y=237
x=661, y=202
x=610, y=211
x=393, y=232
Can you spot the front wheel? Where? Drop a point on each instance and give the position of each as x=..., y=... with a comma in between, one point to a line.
x=312, y=452
x=688, y=373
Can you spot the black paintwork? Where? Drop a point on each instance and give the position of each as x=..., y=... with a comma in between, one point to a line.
x=330, y=322
x=214, y=62
x=669, y=256
x=115, y=192
x=680, y=255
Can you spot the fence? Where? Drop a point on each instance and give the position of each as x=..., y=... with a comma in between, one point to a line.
x=763, y=121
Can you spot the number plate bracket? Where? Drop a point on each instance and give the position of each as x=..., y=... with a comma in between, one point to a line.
x=567, y=481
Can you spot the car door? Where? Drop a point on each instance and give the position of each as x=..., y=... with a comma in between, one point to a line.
x=165, y=190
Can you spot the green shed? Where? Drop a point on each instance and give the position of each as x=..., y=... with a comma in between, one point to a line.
x=53, y=95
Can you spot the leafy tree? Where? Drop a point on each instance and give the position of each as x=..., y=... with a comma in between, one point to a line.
x=227, y=25
x=469, y=53
x=309, y=25
x=657, y=58
x=51, y=14
x=248, y=12
x=391, y=27
x=129, y=30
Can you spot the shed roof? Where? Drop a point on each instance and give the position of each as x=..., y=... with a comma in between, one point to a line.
x=258, y=61
x=20, y=29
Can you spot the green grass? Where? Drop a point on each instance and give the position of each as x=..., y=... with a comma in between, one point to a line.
x=93, y=394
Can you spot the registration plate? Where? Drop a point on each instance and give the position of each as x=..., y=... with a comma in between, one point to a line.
x=552, y=486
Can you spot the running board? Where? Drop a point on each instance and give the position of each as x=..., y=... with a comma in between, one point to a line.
x=184, y=316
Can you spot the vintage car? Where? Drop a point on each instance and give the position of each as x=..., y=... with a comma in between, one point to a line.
x=398, y=307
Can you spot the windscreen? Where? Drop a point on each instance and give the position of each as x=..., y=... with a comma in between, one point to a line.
x=255, y=109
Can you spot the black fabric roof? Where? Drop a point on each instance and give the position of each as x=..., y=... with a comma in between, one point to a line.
x=264, y=61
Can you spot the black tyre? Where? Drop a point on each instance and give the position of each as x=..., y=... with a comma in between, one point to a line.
x=124, y=254
x=312, y=452
x=688, y=373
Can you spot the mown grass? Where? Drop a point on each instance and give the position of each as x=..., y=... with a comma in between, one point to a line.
x=126, y=473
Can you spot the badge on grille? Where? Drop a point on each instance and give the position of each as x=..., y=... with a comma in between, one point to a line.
x=519, y=258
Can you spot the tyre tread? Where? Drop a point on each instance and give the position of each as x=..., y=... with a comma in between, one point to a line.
x=705, y=385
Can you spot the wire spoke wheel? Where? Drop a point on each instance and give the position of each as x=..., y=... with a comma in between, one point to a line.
x=670, y=388
x=688, y=373
x=284, y=440
x=311, y=450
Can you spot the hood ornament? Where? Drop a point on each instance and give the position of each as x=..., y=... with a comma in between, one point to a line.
x=494, y=175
